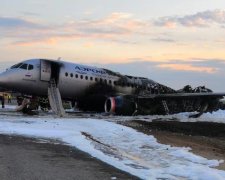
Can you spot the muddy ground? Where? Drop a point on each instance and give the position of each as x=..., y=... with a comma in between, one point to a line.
x=205, y=138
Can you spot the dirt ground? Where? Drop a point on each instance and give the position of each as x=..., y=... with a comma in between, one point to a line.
x=25, y=158
x=204, y=138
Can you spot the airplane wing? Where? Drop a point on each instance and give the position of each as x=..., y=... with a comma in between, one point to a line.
x=182, y=102
x=164, y=103
x=183, y=95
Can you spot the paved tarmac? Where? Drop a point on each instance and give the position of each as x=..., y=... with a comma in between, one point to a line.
x=26, y=159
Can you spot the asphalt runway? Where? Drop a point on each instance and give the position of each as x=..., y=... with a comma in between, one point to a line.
x=28, y=159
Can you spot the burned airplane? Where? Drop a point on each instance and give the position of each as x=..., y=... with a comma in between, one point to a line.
x=102, y=90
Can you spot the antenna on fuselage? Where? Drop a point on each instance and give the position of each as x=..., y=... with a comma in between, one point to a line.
x=59, y=58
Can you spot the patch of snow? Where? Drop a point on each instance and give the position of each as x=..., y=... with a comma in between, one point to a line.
x=217, y=117
x=8, y=106
x=117, y=145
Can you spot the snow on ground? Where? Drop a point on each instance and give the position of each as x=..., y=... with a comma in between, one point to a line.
x=217, y=116
x=117, y=145
x=9, y=107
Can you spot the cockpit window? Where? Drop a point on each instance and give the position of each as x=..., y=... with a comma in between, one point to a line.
x=30, y=67
x=24, y=66
x=16, y=66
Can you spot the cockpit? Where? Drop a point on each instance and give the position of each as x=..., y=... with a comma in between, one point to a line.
x=23, y=66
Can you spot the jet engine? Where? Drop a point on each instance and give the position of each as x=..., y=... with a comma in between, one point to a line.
x=121, y=105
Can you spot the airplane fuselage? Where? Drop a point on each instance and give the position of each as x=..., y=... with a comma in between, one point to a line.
x=73, y=80
x=101, y=89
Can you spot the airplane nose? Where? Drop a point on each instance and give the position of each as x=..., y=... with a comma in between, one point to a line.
x=4, y=80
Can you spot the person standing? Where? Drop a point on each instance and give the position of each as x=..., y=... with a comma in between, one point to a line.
x=3, y=101
x=9, y=98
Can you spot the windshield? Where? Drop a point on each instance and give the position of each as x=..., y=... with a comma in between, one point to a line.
x=23, y=66
x=16, y=66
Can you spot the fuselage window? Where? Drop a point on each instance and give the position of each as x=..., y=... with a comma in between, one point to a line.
x=71, y=74
x=86, y=77
x=115, y=83
x=110, y=82
x=105, y=81
x=24, y=66
x=30, y=67
x=81, y=76
x=91, y=78
x=100, y=80
x=96, y=79
x=66, y=74
x=76, y=76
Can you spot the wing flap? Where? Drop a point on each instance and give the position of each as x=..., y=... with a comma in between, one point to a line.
x=183, y=95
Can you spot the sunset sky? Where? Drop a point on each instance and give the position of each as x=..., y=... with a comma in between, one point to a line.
x=171, y=41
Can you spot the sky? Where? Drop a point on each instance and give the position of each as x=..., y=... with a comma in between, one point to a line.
x=173, y=42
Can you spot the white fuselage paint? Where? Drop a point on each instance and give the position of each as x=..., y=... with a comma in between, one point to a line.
x=70, y=86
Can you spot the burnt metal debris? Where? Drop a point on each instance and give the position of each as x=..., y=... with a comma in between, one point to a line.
x=147, y=97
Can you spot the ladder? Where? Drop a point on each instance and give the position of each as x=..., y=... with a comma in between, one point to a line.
x=55, y=99
x=165, y=107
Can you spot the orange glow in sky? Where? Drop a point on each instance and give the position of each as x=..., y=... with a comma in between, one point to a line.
x=121, y=32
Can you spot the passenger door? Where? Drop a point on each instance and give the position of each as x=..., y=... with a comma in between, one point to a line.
x=45, y=70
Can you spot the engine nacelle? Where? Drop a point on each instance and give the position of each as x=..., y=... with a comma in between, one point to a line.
x=120, y=105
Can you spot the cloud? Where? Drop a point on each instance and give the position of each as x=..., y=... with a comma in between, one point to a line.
x=176, y=78
x=112, y=25
x=117, y=27
x=110, y=28
x=200, y=19
x=160, y=39
x=187, y=67
x=198, y=65
x=27, y=13
x=47, y=39
x=9, y=22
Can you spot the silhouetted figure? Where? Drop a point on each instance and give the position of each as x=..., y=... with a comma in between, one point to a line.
x=9, y=98
x=3, y=101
